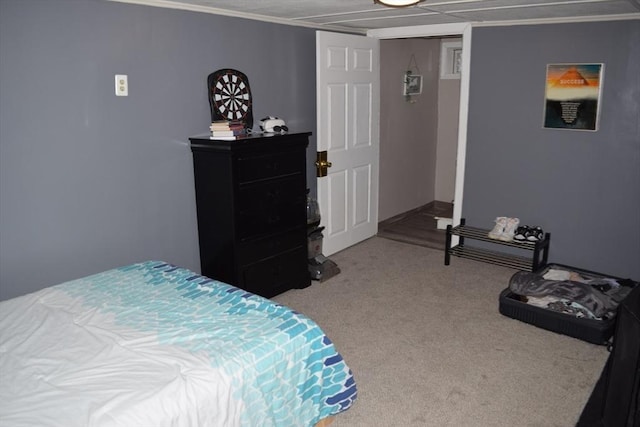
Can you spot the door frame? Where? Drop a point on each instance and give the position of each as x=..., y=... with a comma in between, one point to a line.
x=460, y=30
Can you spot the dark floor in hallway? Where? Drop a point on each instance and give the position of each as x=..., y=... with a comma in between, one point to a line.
x=418, y=226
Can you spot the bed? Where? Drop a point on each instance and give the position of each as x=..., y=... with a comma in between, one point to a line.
x=152, y=344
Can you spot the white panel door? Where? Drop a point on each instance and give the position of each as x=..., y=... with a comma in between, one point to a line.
x=348, y=98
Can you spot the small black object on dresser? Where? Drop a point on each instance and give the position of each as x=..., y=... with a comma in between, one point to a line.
x=251, y=207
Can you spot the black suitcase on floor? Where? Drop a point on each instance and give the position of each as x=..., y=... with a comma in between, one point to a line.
x=590, y=330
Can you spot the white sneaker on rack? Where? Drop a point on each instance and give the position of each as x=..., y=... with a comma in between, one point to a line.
x=509, y=229
x=498, y=229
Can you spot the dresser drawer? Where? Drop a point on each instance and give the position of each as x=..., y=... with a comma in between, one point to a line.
x=254, y=250
x=270, y=165
x=271, y=206
x=273, y=275
x=251, y=210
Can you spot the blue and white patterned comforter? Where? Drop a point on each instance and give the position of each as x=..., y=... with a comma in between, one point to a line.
x=155, y=345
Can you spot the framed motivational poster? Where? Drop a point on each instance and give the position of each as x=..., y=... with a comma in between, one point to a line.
x=572, y=96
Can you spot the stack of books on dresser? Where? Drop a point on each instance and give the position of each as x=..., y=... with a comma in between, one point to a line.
x=226, y=129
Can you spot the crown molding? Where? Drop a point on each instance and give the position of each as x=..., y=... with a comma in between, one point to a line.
x=565, y=20
x=458, y=28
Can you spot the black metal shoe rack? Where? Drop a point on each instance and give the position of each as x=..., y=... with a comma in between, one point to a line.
x=538, y=257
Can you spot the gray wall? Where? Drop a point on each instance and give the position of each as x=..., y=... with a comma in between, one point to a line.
x=90, y=181
x=408, y=130
x=583, y=187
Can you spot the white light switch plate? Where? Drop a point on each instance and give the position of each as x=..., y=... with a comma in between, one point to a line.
x=122, y=85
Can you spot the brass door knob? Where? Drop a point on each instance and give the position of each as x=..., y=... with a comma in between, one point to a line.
x=322, y=163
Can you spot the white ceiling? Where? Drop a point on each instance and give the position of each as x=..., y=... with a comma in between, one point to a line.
x=358, y=16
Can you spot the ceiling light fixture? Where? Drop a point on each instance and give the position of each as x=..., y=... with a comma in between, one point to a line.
x=397, y=3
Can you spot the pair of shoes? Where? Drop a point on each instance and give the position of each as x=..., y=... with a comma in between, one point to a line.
x=504, y=229
x=526, y=233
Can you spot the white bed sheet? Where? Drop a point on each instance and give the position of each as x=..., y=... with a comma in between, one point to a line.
x=69, y=356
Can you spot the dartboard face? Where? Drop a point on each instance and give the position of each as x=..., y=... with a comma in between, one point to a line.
x=231, y=96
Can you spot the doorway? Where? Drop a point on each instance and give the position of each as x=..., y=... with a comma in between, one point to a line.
x=459, y=30
x=418, y=139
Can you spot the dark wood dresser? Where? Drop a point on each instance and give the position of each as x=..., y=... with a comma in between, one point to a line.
x=251, y=205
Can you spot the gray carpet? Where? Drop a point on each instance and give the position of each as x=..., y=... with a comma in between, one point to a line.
x=428, y=347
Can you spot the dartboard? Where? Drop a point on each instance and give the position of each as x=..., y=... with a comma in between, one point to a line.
x=230, y=96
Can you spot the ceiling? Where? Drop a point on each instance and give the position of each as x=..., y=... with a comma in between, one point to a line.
x=359, y=16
